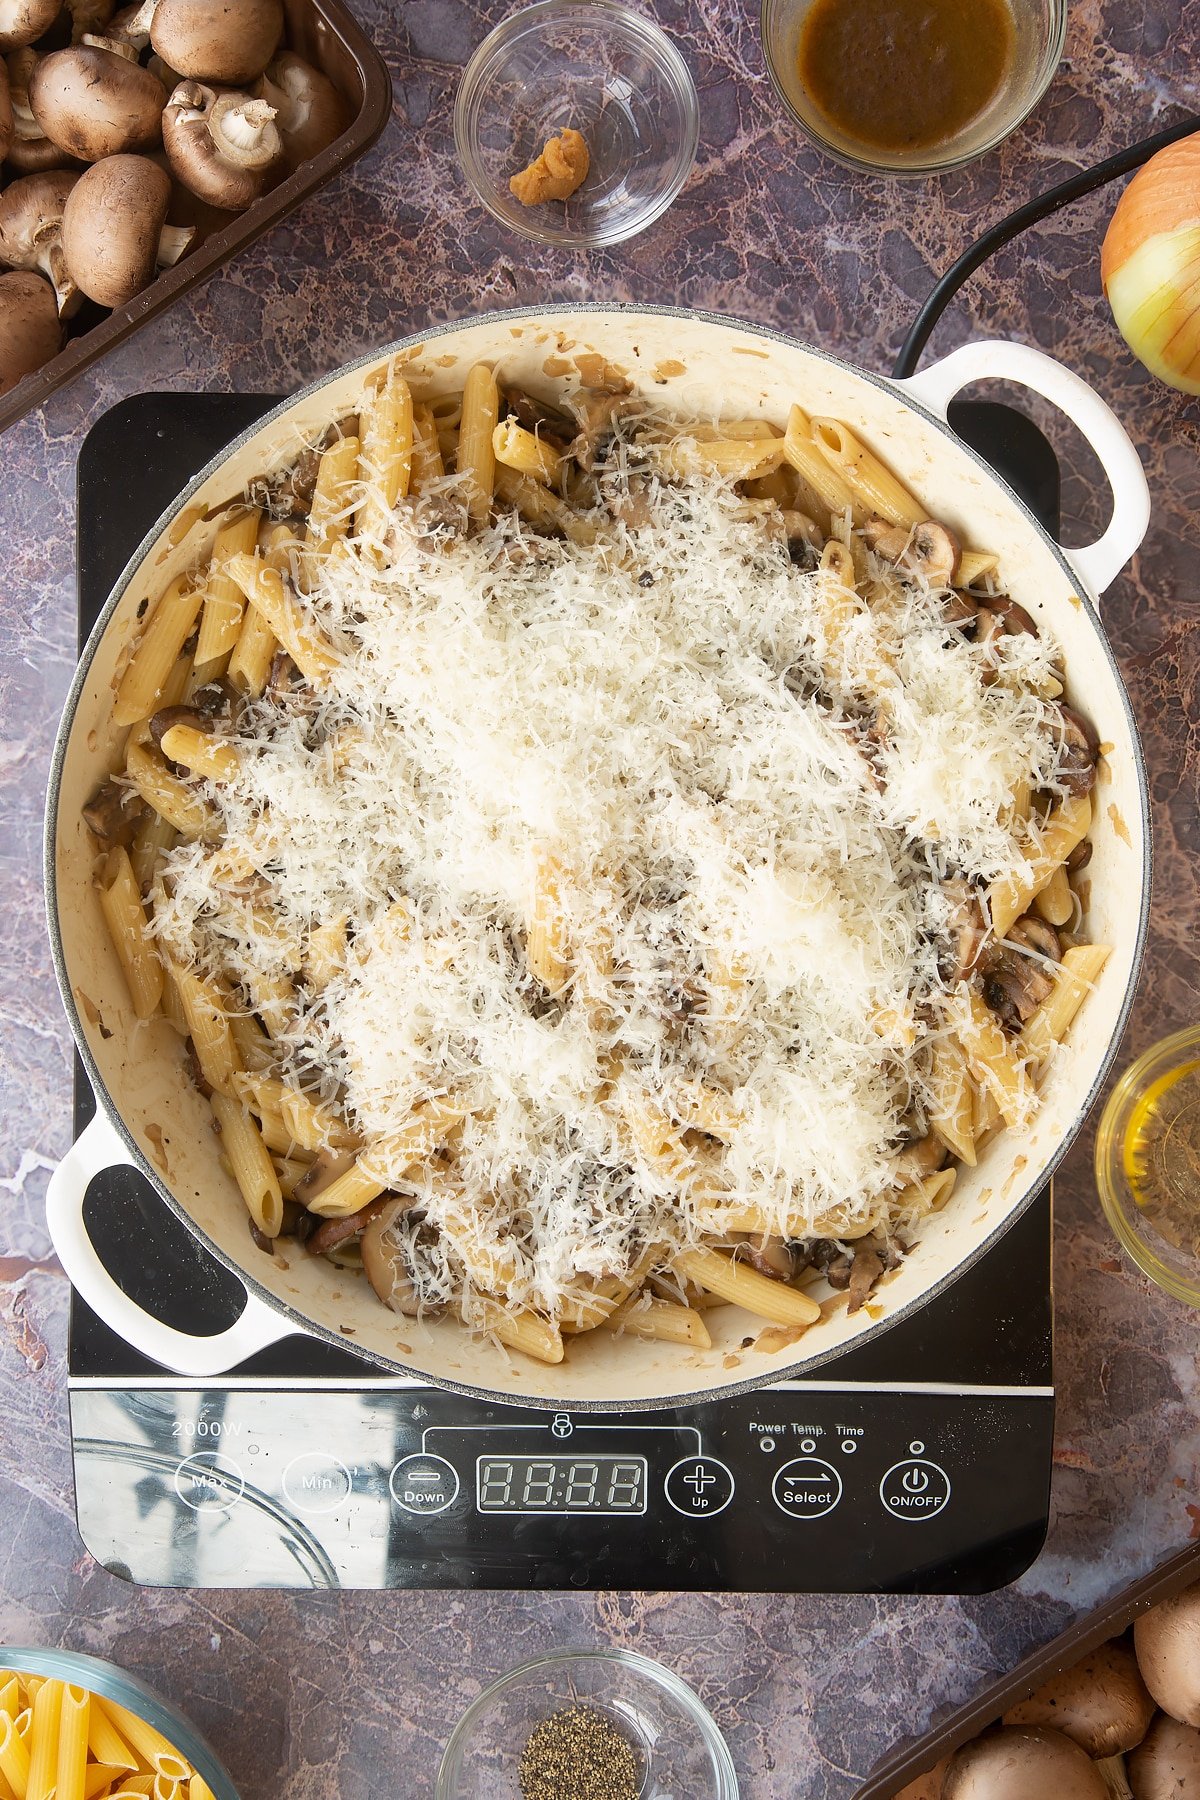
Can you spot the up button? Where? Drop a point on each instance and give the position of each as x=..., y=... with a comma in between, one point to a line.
x=914, y=1489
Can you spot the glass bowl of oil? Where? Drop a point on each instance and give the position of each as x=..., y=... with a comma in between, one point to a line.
x=1148, y=1163
x=911, y=87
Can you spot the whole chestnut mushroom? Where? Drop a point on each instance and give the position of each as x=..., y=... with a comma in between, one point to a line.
x=1021, y=1762
x=1167, y=1641
x=113, y=231
x=22, y=21
x=1166, y=1764
x=225, y=41
x=30, y=331
x=221, y=147
x=1100, y=1702
x=93, y=102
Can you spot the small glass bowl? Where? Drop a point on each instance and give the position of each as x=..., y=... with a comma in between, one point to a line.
x=113, y=1683
x=1175, y=1269
x=683, y=1754
x=1040, y=28
x=605, y=71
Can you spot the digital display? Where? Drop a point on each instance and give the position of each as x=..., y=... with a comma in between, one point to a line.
x=561, y=1484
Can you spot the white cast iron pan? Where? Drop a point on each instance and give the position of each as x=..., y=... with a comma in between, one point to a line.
x=151, y=1116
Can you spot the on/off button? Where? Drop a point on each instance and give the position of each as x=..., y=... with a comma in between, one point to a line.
x=914, y=1489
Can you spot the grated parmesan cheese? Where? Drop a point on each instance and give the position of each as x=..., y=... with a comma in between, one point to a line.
x=750, y=837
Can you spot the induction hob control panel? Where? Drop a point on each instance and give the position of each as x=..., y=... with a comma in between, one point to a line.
x=802, y=1486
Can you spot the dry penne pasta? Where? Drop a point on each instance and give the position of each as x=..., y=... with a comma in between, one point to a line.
x=43, y=1741
x=71, y=1751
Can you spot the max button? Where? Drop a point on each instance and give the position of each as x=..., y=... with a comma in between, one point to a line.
x=207, y=1483
x=424, y=1484
x=699, y=1487
x=914, y=1489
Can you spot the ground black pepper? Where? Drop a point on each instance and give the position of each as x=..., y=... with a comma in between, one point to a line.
x=579, y=1754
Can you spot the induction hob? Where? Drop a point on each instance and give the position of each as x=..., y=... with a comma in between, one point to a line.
x=918, y=1463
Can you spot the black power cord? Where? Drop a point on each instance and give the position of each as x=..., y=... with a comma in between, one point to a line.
x=1032, y=213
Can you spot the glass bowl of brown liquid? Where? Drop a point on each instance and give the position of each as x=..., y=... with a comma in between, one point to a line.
x=911, y=87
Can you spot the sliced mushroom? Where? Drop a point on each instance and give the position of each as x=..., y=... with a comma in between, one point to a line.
x=539, y=416
x=113, y=230
x=113, y=814
x=771, y=1256
x=22, y=21
x=1101, y=1702
x=1080, y=857
x=1079, y=753
x=1022, y=1762
x=1014, y=986
x=1167, y=1641
x=31, y=212
x=966, y=929
x=222, y=147
x=93, y=102
x=167, y=717
x=920, y=1160
x=1166, y=1764
x=309, y=111
x=332, y=1232
x=866, y=1267
x=1012, y=618
x=1037, y=934
x=328, y=1168
x=385, y=1263
x=597, y=410
x=229, y=41
x=930, y=550
x=30, y=329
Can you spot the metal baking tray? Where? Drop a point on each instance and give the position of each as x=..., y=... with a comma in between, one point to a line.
x=326, y=35
x=914, y=1758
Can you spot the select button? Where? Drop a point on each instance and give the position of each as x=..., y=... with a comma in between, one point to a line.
x=806, y=1488
x=424, y=1484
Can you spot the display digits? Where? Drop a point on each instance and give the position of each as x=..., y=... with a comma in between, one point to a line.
x=599, y=1484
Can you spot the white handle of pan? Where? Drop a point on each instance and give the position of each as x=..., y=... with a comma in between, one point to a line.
x=98, y=1148
x=996, y=359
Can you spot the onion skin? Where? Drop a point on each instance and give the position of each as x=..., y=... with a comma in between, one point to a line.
x=1150, y=265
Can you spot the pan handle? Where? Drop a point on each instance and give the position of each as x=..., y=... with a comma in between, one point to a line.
x=98, y=1148
x=997, y=359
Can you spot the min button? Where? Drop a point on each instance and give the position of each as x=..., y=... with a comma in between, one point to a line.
x=316, y=1483
x=914, y=1489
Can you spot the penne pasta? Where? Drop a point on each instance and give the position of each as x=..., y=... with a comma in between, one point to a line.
x=547, y=946
x=737, y=459
x=549, y=512
x=663, y=1320
x=43, y=1741
x=522, y=1331
x=745, y=1287
x=125, y=916
x=305, y=643
x=1067, y=826
x=872, y=485
x=991, y=1061
x=70, y=1766
x=386, y=459
x=199, y=752
x=140, y=690
x=333, y=505
x=427, y=464
x=251, y=1163
x=952, y=1115
x=476, y=456
x=14, y=1757
x=177, y=803
x=150, y=1744
x=819, y=474
x=973, y=565
x=208, y=1027
x=1055, y=902
x=224, y=602
x=1075, y=977
x=519, y=449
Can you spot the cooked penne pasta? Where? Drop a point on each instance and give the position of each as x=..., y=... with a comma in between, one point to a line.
x=874, y=488
x=141, y=687
x=519, y=449
x=973, y=565
x=333, y=505
x=385, y=464
x=305, y=643
x=208, y=1026
x=427, y=464
x=476, y=456
x=125, y=916
x=1076, y=976
x=737, y=459
x=991, y=1061
x=251, y=1162
x=745, y=1287
x=522, y=1331
x=815, y=469
x=1067, y=826
x=664, y=1320
x=197, y=751
x=534, y=501
x=224, y=602
x=1055, y=902
x=171, y=798
x=952, y=1117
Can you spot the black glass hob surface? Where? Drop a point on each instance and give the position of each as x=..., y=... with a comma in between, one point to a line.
x=919, y=1463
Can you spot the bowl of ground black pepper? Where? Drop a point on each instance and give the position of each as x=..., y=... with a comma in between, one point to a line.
x=587, y=1725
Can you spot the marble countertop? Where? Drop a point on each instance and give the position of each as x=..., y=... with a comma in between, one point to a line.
x=349, y=1694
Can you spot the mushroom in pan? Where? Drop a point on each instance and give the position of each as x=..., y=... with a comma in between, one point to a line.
x=1166, y=1764
x=229, y=41
x=929, y=550
x=113, y=231
x=93, y=101
x=309, y=111
x=112, y=815
x=1019, y=1762
x=21, y=21
x=771, y=1256
x=1101, y=1703
x=1010, y=617
x=965, y=931
x=1037, y=934
x=31, y=212
x=1079, y=753
x=6, y=112
x=1014, y=985
x=30, y=330
x=386, y=1264
x=1167, y=1641
x=330, y=1234
x=222, y=147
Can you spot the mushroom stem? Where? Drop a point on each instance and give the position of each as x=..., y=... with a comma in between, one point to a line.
x=174, y=242
x=118, y=46
x=132, y=24
x=240, y=129
x=1112, y=1770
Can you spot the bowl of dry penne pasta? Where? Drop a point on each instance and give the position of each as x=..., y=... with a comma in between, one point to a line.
x=598, y=856
x=77, y=1728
